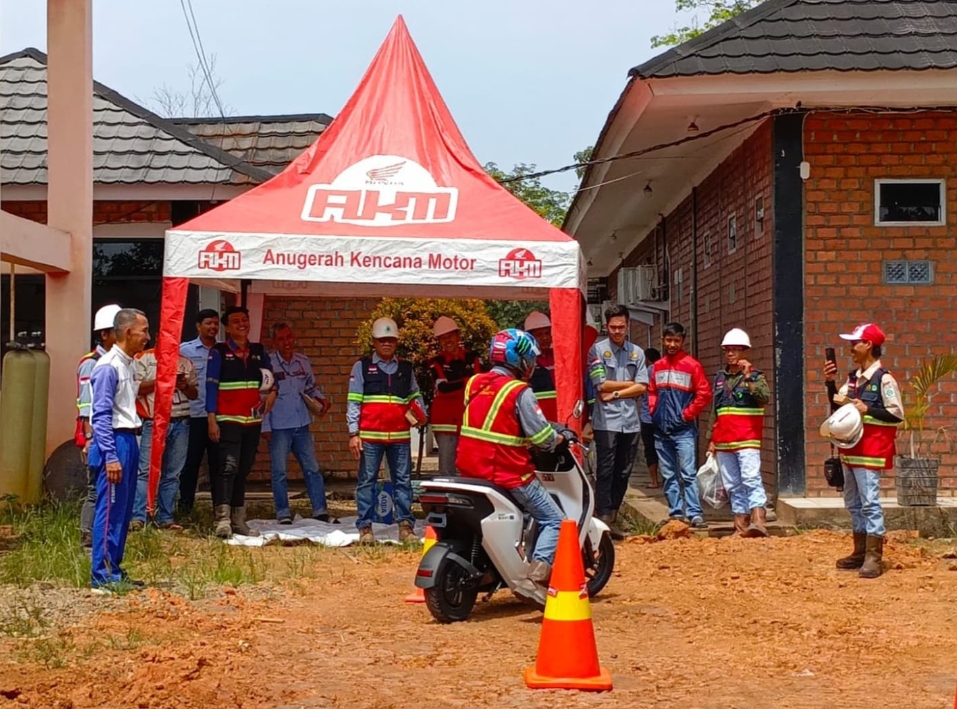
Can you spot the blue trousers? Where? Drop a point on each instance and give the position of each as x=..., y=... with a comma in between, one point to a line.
x=301, y=443
x=114, y=509
x=399, y=458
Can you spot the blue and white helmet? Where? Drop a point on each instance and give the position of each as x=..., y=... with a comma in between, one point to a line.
x=515, y=349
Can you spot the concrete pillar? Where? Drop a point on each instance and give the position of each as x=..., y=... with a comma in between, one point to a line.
x=70, y=202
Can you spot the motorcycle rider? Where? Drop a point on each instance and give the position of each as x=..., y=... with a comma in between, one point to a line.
x=502, y=419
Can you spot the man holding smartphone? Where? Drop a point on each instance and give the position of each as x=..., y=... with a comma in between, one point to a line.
x=875, y=394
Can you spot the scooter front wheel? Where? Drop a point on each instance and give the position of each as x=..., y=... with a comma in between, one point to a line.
x=453, y=596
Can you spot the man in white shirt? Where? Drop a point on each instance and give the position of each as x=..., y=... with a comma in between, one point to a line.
x=114, y=453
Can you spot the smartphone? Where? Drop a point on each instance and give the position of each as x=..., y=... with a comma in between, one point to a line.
x=829, y=355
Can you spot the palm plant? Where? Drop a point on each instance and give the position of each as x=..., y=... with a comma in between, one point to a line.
x=924, y=385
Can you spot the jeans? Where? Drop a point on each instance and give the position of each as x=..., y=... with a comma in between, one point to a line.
x=174, y=457
x=534, y=499
x=861, y=498
x=237, y=451
x=300, y=443
x=448, y=446
x=616, y=454
x=199, y=445
x=399, y=458
x=741, y=475
x=114, y=509
x=676, y=462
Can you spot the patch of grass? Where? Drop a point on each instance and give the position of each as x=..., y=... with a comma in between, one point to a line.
x=49, y=547
x=52, y=652
x=24, y=618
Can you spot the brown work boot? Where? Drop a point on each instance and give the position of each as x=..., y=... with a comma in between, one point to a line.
x=221, y=516
x=539, y=572
x=758, y=526
x=741, y=523
x=856, y=559
x=366, y=537
x=406, y=533
x=237, y=519
x=873, y=554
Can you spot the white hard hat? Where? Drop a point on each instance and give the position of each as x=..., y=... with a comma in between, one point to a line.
x=736, y=337
x=844, y=427
x=536, y=320
x=268, y=380
x=105, y=316
x=385, y=327
x=443, y=326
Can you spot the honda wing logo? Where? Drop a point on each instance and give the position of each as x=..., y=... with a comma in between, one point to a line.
x=382, y=190
x=220, y=256
x=520, y=264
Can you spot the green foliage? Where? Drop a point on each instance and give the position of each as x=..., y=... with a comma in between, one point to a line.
x=415, y=317
x=512, y=313
x=924, y=385
x=583, y=156
x=719, y=11
x=550, y=205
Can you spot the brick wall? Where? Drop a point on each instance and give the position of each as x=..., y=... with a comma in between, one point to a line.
x=326, y=333
x=103, y=212
x=844, y=254
x=734, y=286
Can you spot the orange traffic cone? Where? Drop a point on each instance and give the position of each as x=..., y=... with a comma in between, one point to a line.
x=418, y=596
x=567, y=654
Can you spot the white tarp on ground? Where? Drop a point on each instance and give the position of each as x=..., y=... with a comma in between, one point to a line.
x=304, y=529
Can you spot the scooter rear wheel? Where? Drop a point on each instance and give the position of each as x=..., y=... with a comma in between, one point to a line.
x=601, y=565
x=450, y=600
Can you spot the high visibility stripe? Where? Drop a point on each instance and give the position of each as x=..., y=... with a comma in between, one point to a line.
x=737, y=445
x=234, y=386
x=596, y=371
x=497, y=403
x=546, y=395
x=385, y=436
x=739, y=411
x=238, y=419
x=542, y=436
x=382, y=399
x=567, y=605
x=489, y=436
x=354, y=397
x=874, y=422
x=444, y=428
x=853, y=460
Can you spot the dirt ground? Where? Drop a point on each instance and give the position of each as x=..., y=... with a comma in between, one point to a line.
x=693, y=623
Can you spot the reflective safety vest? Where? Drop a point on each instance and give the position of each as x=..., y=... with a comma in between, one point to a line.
x=448, y=406
x=385, y=399
x=739, y=419
x=239, y=399
x=542, y=383
x=876, y=449
x=492, y=445
x=78, y=435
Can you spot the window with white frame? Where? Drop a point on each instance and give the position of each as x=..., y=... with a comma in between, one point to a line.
x=732, y=234
x=910, y=202
x=707, y=249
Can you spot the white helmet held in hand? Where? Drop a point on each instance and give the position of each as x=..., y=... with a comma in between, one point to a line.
x=268, y=381
x=443, y=326
x=385, y=327
x=844, y=427
x=536, y=321
x=736, y=338
x=104, y=317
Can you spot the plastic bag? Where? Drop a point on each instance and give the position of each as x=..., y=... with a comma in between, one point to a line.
x=710, y=485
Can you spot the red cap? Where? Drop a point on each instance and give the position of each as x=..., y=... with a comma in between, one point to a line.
x=868, y=332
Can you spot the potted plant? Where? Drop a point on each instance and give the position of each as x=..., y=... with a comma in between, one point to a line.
x=916, y=480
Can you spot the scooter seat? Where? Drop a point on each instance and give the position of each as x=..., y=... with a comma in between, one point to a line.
x=478, y=482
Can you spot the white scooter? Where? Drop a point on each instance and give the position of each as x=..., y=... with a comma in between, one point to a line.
x=485, y=541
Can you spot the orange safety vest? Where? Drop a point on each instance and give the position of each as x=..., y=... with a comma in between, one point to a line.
x=448, y=407
x=877, y=447
x=492, y=445
x=739, y=419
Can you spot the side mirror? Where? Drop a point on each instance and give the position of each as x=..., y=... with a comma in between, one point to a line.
x=579, y=409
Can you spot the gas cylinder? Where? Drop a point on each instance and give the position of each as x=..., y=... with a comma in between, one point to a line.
x=38, y=427
x=16, y=417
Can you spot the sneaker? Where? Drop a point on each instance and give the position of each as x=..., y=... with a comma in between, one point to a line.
x=699, y=523
x=324, y=517
x=285, y=520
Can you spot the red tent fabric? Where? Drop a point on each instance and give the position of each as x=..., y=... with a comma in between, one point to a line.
x=388, y=201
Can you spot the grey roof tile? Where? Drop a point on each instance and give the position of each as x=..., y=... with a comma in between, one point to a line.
x=814, y=35
x=131, y=145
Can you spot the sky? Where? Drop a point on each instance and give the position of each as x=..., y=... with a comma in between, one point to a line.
x=527, y=82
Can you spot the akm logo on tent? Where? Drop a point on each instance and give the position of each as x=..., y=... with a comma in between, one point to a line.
x=382, y=190
x=220, y=256
x=520, y=264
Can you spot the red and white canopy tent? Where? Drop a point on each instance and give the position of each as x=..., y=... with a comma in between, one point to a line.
x=389, y=201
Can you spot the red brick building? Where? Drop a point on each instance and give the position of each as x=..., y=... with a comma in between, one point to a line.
x=792, y=172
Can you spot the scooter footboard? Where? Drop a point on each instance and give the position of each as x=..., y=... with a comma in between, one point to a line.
x=596, y=529
x=436, y=558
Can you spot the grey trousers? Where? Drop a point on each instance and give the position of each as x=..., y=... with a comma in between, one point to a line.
x=448, y=445
x=89, y=505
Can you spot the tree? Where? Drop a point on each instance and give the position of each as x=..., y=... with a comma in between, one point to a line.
x=197, y=102
x=718, y=11
x=512, y=313
x=583, y=156
x=549, y=204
